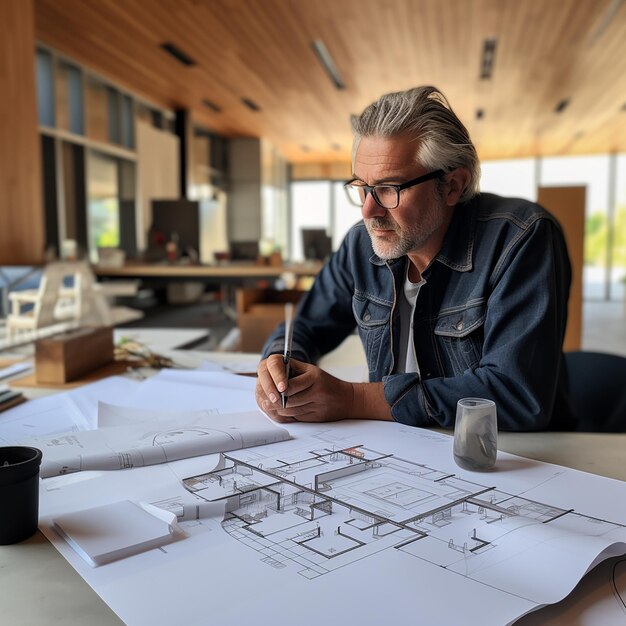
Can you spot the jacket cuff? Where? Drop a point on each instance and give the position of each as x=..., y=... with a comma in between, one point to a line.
x=278, y=347
x=405, y=395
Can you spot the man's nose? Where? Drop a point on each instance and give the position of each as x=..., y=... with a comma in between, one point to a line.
x=371, y=208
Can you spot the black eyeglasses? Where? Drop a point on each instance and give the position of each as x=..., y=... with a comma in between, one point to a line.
x=386, y=196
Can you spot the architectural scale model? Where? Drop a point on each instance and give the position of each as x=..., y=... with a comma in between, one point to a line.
x=326, y=509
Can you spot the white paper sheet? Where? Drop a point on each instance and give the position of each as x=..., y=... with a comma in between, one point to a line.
x=181, y=435
x=70, y=411
x=599, y=600
x=376, y=582
x=114, y=531
x=219, y=380
x=16, y=368
x=248, y=366
x=215, y=391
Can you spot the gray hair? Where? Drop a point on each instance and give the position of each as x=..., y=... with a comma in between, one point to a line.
x=425, y=114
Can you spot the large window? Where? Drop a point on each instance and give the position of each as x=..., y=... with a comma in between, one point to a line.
x=310, y=208
x=45, y=88
x=103, y=203
x=320, y=204
x=345, y=214
x=88, y=155
x=618, y=233
x=514, y=178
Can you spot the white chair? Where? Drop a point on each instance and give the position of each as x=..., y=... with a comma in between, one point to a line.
x=82, y=304
x=44, y=312
x=91, y=302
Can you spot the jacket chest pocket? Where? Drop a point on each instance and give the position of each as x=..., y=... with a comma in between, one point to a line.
x=372, y=319
x=461, y=332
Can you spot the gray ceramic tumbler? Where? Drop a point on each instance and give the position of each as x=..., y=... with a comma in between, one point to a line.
x=19, y=493
x=476, y=434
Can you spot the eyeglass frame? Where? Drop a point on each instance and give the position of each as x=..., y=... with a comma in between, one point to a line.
x=369, y=189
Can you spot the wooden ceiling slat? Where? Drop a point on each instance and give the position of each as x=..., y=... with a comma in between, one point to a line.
x=546, y=51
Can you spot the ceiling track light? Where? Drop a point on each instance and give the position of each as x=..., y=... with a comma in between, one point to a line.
x=178, y=54
x=328, y=64
x=606, y=20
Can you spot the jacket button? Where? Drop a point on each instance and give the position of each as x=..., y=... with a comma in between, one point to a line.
x=367, y=317
x=459, y=325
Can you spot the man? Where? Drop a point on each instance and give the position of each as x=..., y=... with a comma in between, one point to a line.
x=454, y=294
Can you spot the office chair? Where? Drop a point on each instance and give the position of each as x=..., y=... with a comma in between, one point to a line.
x=597, y=386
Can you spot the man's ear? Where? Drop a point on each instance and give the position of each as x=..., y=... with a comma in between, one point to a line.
x=456, y=183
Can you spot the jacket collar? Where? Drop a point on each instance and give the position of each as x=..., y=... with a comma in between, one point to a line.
x=458, y=243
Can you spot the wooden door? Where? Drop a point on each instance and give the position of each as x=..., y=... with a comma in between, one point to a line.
x=567, y=204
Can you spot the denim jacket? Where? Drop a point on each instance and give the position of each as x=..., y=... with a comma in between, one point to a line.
x=489, y=321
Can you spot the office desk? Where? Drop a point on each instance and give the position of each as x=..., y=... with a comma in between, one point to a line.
x=232, y=271
x=37, y=585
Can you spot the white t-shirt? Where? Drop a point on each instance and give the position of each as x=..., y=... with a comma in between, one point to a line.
x=407, y=359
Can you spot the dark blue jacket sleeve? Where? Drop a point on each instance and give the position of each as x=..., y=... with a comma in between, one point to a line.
x=324, y=316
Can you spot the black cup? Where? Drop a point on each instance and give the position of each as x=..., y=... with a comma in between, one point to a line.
x=19, y=493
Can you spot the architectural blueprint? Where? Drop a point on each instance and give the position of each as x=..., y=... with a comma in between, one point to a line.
x=355, y=522
x=328, y=508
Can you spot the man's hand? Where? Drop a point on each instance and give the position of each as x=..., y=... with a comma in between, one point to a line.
x=313, y=395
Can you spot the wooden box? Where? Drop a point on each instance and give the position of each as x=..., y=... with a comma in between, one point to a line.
x=67, y=356
x=259, y=312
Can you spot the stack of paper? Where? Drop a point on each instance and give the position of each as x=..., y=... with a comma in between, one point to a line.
x=114, y=531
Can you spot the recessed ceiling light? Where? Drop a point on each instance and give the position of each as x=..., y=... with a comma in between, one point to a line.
x=211, y=105
x=251, y=104
x=488, y=58
x=561, y=106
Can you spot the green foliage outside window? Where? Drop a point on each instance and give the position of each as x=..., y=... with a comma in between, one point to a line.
x=596, y=237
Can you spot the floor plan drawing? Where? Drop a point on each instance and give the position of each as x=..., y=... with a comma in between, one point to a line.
x=314, y=512
x=375, y=519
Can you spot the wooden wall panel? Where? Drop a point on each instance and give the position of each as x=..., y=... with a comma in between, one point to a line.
x=21, y=209
x=321, y=171
x=567, y=204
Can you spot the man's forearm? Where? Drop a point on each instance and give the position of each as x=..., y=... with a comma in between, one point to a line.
x=369, y=402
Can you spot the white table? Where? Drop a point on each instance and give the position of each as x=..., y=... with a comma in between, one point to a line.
x=37, y=586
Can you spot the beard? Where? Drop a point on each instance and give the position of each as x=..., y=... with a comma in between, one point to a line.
x=404, y=239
